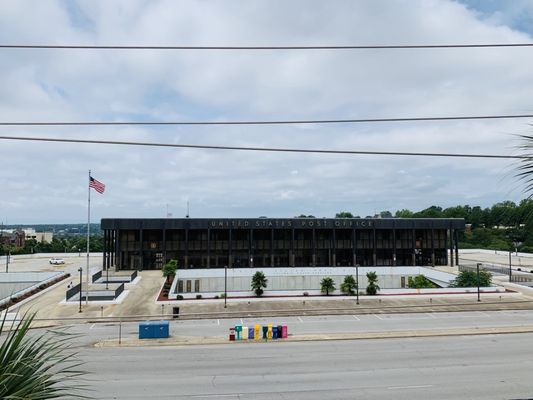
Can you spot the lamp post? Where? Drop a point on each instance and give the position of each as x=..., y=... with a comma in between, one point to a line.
x=357, y=283
x=477, y=267
x=510, y=265
x=80, y=269
x=225, y=285
x=8, y=256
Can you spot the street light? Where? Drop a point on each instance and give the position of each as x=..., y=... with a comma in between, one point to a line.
x=357, y=282
x=225, y=285
x=80, y=269
x=478, y=265
x=510, y=265
x=8, y=256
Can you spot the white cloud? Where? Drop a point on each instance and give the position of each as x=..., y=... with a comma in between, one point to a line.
x=107, y=85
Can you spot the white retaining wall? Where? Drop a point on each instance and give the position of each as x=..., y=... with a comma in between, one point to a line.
x=286, y=281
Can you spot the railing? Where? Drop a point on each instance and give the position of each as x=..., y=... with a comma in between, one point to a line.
x=73, y=291
x=485, y=267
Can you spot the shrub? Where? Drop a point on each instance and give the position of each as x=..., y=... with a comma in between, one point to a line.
x=420, y=282
x=259, y=282
x=372, y=287
x=349, y=285
x=327, y=285
x=469, y=279
x=198, y=296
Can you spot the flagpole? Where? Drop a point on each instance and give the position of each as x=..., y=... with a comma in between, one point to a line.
x=88, y=233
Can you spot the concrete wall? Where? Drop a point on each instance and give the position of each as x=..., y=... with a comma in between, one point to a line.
x=295, y=280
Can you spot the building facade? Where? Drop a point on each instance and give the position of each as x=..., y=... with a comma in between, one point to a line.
x=279, y=242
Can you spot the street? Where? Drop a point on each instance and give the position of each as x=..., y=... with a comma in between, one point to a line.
x=474, y=367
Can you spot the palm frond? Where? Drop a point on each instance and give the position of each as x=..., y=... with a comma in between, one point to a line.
x=38, y=365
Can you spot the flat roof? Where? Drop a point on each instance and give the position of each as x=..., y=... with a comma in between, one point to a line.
x=282, y=223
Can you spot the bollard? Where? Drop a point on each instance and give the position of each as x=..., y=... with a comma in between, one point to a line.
x=250, y=332
x=269, y=331
x=430, y=300
x=231, y=334
x=265, y=332
x=244, y=333
x=274, y=332
x=102, y=311
x=257, y=333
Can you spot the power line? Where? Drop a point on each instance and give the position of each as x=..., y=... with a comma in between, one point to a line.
x=311, y=47
x=264, y=149
x=272, y=122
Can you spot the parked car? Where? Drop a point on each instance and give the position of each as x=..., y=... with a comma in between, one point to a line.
x=57, y=261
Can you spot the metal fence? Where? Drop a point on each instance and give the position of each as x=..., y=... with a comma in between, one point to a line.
x=485, y=267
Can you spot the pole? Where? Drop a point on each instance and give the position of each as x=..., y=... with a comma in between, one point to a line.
x=478, y=296
x=357, y=282
x=225, y=285
x=88, y=235
x=8, y=256
x=510, y=266
x=81, y=269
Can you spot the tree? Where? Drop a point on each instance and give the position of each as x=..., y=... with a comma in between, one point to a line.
x=169, y=269
x=469, y=279
x=349, y=285
x=344, y=214
x=327, y=285
x=37, y=366
x=404, y=214
x=385, y=214
x=420, y=282
x=259, y=282
x=372, y=287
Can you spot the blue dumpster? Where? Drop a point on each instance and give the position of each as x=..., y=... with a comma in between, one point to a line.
x=153, y=329
x=145, y=330
x=160, y=329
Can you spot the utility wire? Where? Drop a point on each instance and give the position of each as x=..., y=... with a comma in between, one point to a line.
x=273, y=122
x=264, y=149
x=311, y=47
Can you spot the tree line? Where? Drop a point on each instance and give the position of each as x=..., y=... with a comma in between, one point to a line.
x=57, y=245
x=499, y=227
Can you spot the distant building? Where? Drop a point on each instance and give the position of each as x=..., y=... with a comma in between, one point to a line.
x=14, y=238
x=40, y=237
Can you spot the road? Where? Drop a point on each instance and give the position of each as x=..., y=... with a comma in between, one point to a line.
x=465, y=367
x=473, y=367
x=91, y=333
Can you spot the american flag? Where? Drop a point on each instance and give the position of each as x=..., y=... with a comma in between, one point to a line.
x=96, y=185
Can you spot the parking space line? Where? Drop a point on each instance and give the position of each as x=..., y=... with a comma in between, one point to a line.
x=356, y=318
x=378, y=317
x=300, y=319
x=431, y=315
x=218, y=322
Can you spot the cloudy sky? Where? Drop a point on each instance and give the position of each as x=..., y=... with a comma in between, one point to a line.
x=41, y=182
